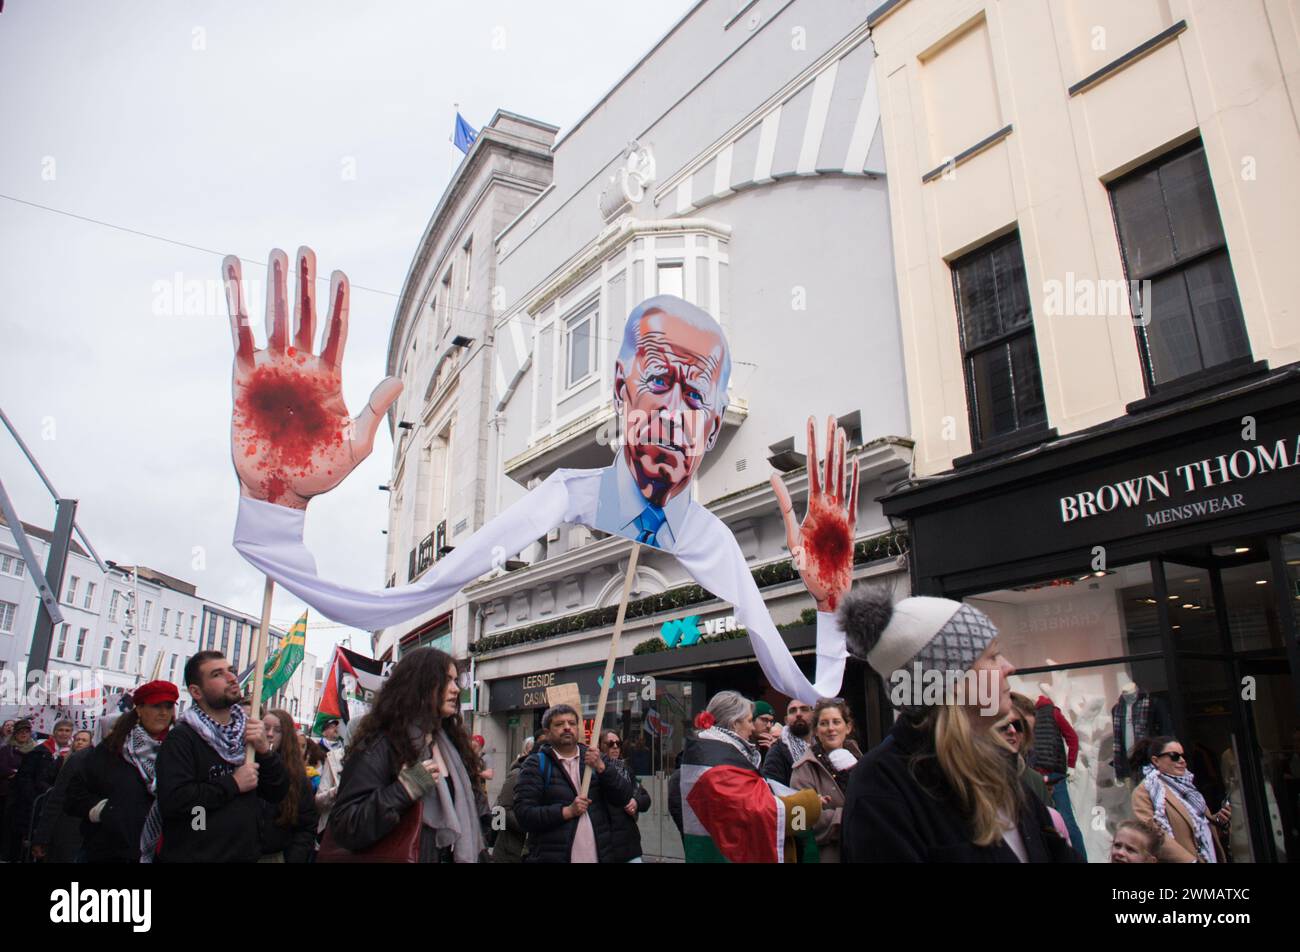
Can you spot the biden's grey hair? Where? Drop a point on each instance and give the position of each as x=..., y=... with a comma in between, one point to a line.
x=699, y=317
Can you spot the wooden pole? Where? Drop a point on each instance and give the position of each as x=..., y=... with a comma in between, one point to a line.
x=609, y=662
x=263, y=637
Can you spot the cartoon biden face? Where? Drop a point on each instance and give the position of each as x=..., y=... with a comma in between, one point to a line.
x=670, y=390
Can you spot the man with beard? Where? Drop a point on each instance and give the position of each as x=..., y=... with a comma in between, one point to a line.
x=791, y=745
x=562, y=826
x=207, y=794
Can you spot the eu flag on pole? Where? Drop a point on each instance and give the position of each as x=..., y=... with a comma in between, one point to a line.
x=465, y=134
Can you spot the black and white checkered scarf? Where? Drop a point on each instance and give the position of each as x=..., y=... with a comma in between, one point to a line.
x=227, y=740
x=141, y=752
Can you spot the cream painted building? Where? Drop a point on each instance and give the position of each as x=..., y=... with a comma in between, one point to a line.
x=1021, y=116
x=1095, y=224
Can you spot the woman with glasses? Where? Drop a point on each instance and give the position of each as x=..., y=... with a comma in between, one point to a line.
x=1167, y=797
x=1017, y=730
x=114, y=794
x=623, y=828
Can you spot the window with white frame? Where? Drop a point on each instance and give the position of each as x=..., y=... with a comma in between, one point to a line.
x=672, y=279
x=444, y=300
x=171, y=671
x=139, y=665
x=469, y=257
x=7, y=612
x=113, y=602
x=61, y=649
x=12, y=565
x=71, y=596
x=89, y=600
x=107, y=652
x=82, y=635
x=580, y=336
x=191, y=631
x=162, y=622
x=144, y=618
x=180, y=617
x=121, y=655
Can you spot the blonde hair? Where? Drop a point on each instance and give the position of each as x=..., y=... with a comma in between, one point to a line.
x=976, y=765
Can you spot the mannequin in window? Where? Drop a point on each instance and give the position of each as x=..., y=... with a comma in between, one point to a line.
x=1136, y=716
x=1056, y=750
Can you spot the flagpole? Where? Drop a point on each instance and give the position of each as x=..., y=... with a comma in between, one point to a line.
x=609, y=662
x=262, y=638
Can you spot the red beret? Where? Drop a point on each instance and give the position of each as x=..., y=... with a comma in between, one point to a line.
x=478, y=739
x=155, y=692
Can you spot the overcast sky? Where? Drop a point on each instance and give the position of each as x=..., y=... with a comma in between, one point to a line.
x=235, y=128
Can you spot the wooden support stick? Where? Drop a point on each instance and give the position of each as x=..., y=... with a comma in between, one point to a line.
x=609, y=662
x=263, y=637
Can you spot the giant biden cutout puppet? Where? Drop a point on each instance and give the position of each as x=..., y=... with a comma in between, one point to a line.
x=292, y=439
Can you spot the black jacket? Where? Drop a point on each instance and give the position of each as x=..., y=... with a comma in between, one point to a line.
x=36, y=775
x=509, y=846
x=778, y=765
x=59, y=833
x=675, y=802
x=371, y=801
x=542, y=792
x=192, y=776
x=896, y=814
x=107, y=776
x=625, y=833
x=297, y=842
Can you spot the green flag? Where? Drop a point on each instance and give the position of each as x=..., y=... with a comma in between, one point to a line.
x=281, y=665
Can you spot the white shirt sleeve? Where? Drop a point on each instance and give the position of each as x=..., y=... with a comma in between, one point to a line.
x=710, y=553
x=271, y=538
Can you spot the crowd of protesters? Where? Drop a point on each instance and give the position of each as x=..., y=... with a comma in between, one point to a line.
x=951, y=782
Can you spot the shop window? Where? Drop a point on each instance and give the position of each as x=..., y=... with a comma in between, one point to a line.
x=1171, y=236
x=1003, y=386
x=1091, y=700
x=1076, y=618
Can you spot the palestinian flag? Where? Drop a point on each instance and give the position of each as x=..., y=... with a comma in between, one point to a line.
x=731, y=814
x=349, y=688
x=281, y=665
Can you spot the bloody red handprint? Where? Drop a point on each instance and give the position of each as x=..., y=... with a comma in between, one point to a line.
x=822, y=546
x=290, y=432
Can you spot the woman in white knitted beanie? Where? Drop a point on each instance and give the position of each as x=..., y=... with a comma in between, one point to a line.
x=940, y=787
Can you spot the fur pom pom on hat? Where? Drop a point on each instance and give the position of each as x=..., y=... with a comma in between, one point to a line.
x=939, y=633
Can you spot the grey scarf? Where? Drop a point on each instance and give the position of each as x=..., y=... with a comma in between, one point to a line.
x=454, y=821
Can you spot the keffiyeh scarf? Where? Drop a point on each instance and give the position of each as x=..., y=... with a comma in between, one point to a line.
x=796, y=745
x=141, y=752
x=748, y=750
x=1158, y=785
x=227, y=740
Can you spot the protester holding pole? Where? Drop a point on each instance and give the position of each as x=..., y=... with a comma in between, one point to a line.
x=207, y=790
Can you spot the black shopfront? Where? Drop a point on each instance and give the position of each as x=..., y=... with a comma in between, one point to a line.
x=1156, y=556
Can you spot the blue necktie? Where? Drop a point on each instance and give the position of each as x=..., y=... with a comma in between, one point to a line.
x=649, y=522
